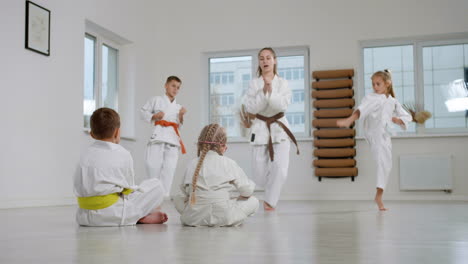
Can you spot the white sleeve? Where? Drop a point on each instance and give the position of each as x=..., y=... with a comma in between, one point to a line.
x=367, y=106
x=183, y=186
x=243, y=184
x=402, y=114
x=279, y=101
x=148, y=109
x=255, y=100
x=132, y=171
x=178, y=121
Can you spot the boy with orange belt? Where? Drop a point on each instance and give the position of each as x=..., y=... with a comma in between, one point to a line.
x=162, y=151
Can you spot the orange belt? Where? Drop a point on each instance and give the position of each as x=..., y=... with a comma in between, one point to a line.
x=165, y=123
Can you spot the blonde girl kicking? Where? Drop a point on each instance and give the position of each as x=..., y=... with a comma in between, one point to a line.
x=378, y=110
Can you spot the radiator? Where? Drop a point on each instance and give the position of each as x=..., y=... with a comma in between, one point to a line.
x=426, y=172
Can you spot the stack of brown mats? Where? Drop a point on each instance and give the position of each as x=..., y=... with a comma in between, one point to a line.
x=334, y=147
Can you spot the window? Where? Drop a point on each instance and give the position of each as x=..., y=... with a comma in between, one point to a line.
x=297, y=96
x=295, y=119
x=229, y=75
x=101, y=75
x=292, y=73
x=222, y=99
x=222, y=78
x=89, y=102
x=428, y=71
x=226, y=121
x=445, y=89
x=245, y=81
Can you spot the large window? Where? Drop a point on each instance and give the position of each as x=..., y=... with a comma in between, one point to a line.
x=229, y=74
x=430, y=72
x=445, y=85
x=101, y=75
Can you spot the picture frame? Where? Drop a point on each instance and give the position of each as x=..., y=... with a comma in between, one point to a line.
x=37, y=28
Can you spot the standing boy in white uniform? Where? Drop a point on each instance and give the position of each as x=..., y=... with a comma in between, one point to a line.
x=104, y=182
x=268, y=98
x=162, y=151
x=378, y=110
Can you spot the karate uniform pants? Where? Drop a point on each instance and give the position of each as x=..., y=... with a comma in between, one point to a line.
x=381, y=149
x=161, y=161
x=268, y=174
x=128, y=209
x=231, y=212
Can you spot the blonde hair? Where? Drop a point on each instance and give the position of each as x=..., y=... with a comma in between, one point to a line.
x=212, y=137
x=386, y=76
x=259, y=69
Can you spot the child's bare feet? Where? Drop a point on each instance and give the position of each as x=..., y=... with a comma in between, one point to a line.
x=154, y=218
x=268, y=207
x=378, y=199
x=380, y=204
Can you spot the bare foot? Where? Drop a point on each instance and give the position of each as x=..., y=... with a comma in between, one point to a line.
x=154, y=218
x=268, y=207
x=378, y=199
x=380, y=204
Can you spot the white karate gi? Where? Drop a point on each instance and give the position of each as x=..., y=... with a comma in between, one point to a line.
x=162, y=151
x=268, y=174
x=214, y=207
x=376, y=112
x=107, y=168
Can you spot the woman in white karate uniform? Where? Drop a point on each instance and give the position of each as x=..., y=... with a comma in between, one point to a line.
x=267, y=99
x=378, y=110
x=205, y=199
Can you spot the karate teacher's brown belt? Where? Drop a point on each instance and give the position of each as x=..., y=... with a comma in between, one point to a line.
x=275, y=119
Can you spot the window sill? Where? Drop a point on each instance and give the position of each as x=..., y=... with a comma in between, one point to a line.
x=405, y=136
x=427, y=135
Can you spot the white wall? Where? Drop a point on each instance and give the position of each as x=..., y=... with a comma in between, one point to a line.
x=41, y=104
x=41, y=97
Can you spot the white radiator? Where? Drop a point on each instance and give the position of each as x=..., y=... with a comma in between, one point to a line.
x=426, y=172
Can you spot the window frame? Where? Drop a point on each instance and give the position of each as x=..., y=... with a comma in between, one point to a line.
x=418, y=44
x=280, y=52
x=432, y=43
x=101, y=41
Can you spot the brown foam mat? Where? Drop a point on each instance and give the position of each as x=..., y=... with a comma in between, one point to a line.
x=336, y=172
x=332, y=84
x=332, y=74
x=334, y=143
x=333, y=103
x=321, y=123
x=329, y=94
x=335, y=153
x=330, y=113
x=334, y=163
x=335, y=133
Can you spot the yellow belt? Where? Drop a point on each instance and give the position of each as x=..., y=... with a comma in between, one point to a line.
x=101, y=201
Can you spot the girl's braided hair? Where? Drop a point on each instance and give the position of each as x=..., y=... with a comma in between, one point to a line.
x=212, y=137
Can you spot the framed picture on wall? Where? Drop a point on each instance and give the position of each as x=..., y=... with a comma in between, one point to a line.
x=37, y=37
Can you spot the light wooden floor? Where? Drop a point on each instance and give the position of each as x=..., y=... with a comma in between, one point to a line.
x=299, y=232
